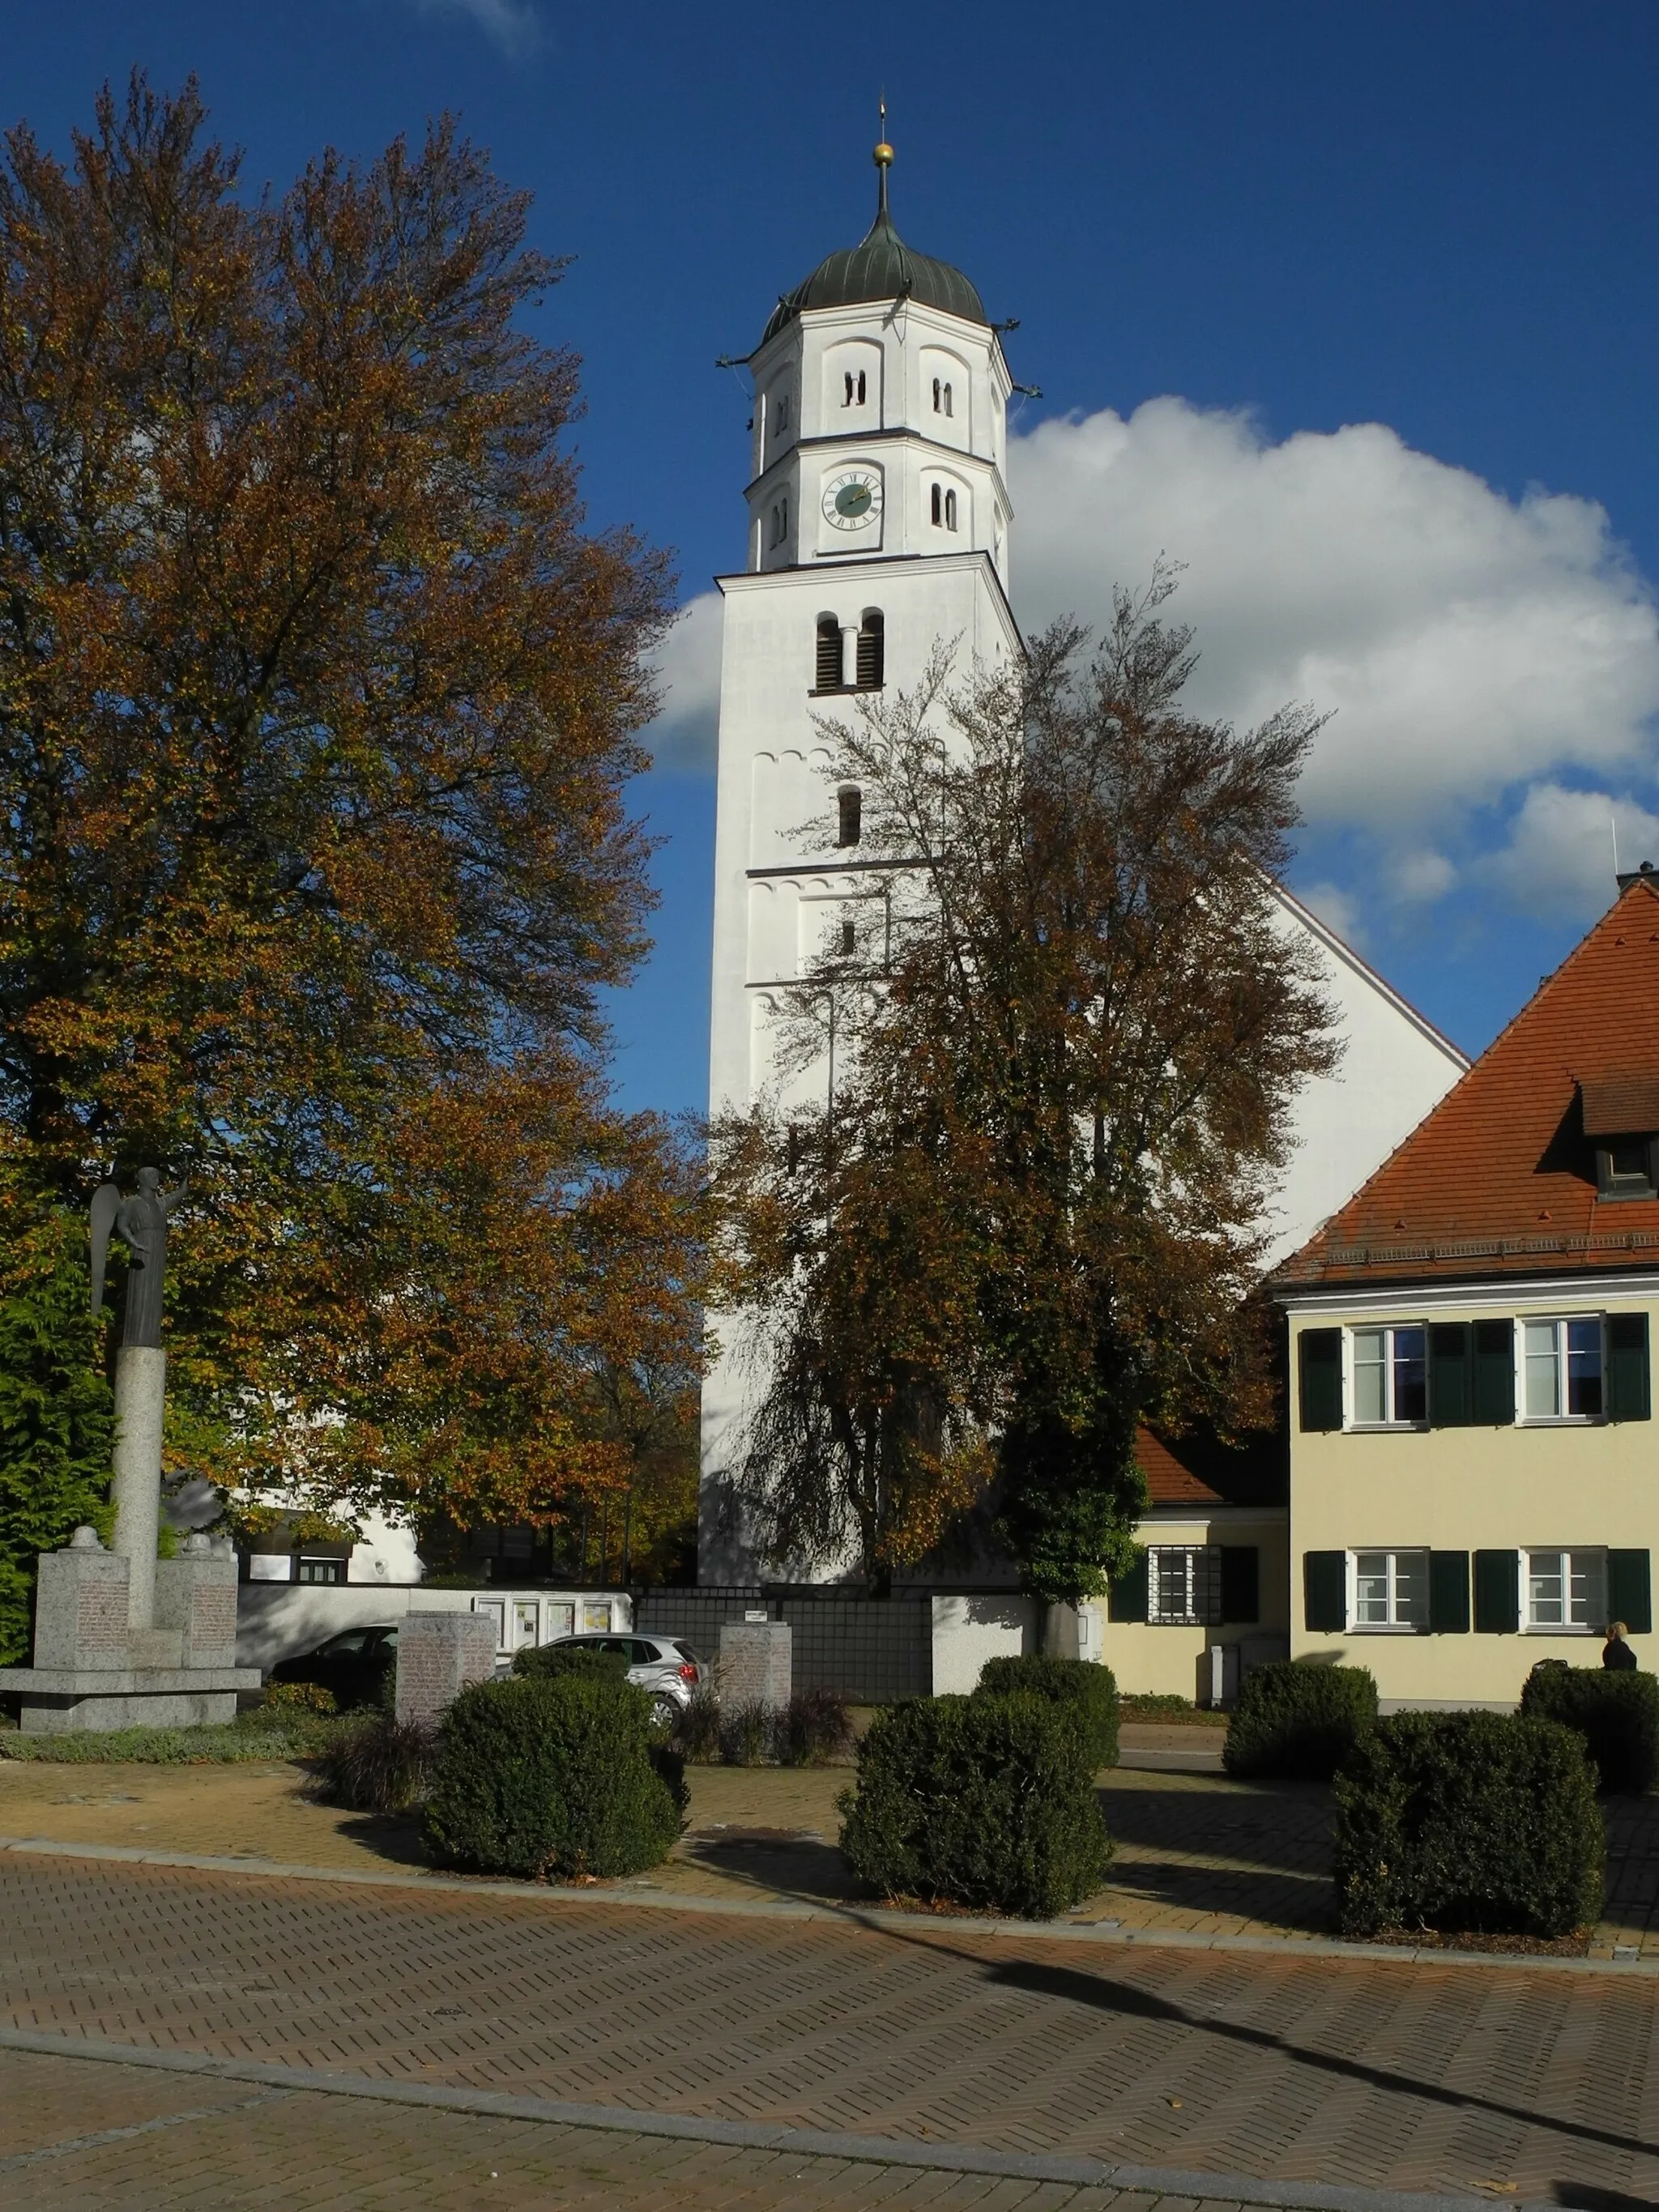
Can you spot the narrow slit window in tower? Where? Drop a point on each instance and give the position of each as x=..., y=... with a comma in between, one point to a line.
x=849, y=940
x=871, y=653
x=937, y=506
x=849, y=807
x=950, y=510
x=938, y=394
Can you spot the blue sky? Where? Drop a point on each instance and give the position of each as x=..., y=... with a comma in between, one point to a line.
x=1353, y=309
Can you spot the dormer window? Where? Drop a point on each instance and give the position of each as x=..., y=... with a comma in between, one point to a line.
x=1621, y=1119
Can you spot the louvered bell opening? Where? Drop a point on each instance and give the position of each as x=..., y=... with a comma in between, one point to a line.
x=829, y=659
x=871, y=653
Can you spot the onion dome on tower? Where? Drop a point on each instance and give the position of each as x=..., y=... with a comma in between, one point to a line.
x=881, y=267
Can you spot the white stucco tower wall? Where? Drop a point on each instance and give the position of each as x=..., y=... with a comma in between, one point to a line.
x=876, y=490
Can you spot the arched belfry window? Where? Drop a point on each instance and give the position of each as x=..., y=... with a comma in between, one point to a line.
x=942, y=398
x=949, y=408
x=849, y=814
x=950, y=510
x=937, y=504
x=853, y=383
x=827, y=666
x=873, y=649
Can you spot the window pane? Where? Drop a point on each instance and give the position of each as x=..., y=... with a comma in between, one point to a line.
x=1587, y=1589
x=1627, y=1157
x=1546, y=1595
x=1372, y=1590
x=1369, y=1401
x=1411, y=1391
x=1172, y=1569
x=1543, y=1390
x=1584, y=1368
x=1410, y=1588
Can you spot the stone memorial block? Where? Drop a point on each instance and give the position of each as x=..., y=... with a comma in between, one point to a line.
x=196, y=1596
x=81, y=1606
x=756, y=1663
x=438, y=1655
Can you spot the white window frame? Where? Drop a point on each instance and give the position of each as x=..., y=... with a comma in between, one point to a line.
x=1206, y=1616
x=1392, y=1554
x=1388, y=1329
x=1592, y=1557
x=1559, y=1322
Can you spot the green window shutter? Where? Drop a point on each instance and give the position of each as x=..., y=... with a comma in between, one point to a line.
x=1321, y=1359
x=1493, y=1394
x=1240, y=1582
x=1448, y=1593
x=1628, y=1396
x=1497, y=1593
x=1325, y=1591
x=1126, y=1600
x=1451, y=1404
x=1629, y=1591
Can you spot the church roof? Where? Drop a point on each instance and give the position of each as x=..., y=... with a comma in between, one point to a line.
x=881, y=267
x=1500, y=1177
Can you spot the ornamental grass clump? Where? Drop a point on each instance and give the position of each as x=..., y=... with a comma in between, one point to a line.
x=1468, y=1823
x=984, y=1801
x=554, y=1776
x=377, y=1764
x=1088, y=1690
x=1298, y=1721
x=1616, y=1713
x=813, y=1728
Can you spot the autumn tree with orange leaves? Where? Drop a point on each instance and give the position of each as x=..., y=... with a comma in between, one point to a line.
x=1032, y=1214
x=318, y=702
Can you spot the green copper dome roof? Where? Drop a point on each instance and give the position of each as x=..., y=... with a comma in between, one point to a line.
x=882, y=267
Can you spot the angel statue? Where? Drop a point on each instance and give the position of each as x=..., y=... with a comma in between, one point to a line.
x=141, y=1222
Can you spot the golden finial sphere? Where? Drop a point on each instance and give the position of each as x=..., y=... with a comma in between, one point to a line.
x=882, y=156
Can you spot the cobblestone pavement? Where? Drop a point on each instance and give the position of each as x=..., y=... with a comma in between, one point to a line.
x=1505, y=2079
x=73, y=2135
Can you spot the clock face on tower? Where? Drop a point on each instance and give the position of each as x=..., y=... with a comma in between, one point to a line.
x=852, y=500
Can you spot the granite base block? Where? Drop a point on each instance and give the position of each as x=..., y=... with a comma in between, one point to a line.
x=70, y=1701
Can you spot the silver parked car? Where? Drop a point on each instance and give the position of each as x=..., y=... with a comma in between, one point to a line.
x=666, y=1667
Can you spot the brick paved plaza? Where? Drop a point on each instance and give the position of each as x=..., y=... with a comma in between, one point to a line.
x=1528, y=2083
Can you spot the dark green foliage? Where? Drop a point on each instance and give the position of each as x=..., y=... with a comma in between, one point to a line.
x=1465, y=1822
x=1298, y=1721
x=1085, y=1689
x=1617, y=1715
x=541, y=1660
x=812, y=1729
x=985, y=1802
x=696, y=1732
x=253, y=1735
x=57, y=1412
x=378, y=1765
x=745, y=1734
x=552, y=1775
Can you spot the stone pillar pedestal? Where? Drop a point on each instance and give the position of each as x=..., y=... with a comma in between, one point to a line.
x=94, y=1669
x=439, y=1656
x=141, y=1372
x=756, y=1663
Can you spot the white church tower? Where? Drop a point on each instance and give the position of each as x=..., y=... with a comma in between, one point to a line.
x=878, y=527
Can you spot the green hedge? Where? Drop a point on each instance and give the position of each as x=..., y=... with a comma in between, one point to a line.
x=541, y=1660
x=1086, y=1690
x=1616, y=1713
x=1298, y=1720
x=986, y=1801
x=1468, y=1822
x=555, y=1775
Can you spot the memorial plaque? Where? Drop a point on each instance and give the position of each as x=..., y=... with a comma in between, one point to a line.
x=756, y=1663
x=438, y=1655
x=81, y=1608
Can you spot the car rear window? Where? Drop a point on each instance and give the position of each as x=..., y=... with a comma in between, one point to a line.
x=689, y=1651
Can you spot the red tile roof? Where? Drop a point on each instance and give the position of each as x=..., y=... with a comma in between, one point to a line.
x=1168, y=1482
x=1500, y=1177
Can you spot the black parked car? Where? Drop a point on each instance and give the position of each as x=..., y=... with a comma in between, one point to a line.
x=356, y=1664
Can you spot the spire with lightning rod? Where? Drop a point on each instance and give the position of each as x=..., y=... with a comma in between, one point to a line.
x=883, y=158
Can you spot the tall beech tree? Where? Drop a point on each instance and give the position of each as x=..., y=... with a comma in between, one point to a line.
x=318, y=701
x=1068, y=1045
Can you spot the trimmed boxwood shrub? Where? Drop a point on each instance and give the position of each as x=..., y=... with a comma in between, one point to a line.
x=1468, y=1822
x=1616, y=1713
x=1089, y=1690
x=986, y=1801
x=541, y=1660
x=555, y=1775
x=1298, y=1721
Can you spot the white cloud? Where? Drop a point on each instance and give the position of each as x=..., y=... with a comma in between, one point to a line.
x=1558, y=858
x=1480, y=656
x=1338, y=908
x=510, y=24
x=689, y=670
x=1467, y=644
